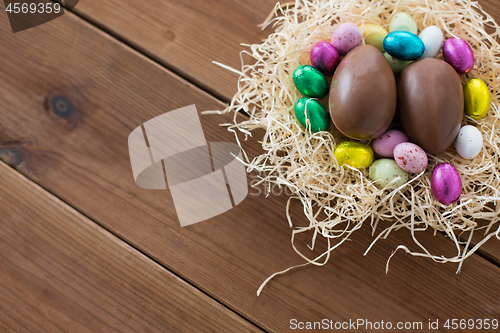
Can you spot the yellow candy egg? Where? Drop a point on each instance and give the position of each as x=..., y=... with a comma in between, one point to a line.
x=354, y=154
x=373, y=34
x=477, y=99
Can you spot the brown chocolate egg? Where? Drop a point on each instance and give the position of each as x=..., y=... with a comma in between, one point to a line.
x=430, y=104
x=363, y=94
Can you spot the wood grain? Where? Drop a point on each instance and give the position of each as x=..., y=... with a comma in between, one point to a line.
x=186, y=36
x=169, y=32
x=60, y=272
x=82, y=157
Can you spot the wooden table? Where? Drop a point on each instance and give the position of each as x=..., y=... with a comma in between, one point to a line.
x=83, y=249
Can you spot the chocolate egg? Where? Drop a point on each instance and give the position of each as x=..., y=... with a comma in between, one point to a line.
x=363, y=94
x=446, y=184
x=312, y=114
x=430, y=104
x=354, y=154
x=477, y=99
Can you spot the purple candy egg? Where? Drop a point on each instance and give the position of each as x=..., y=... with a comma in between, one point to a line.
x=458, y=54
x=446, y=184
x=325, y=57
x=384, y=144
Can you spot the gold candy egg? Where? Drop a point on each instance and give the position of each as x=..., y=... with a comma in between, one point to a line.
x=354, y=154
x=373, y=34
x=477, y=99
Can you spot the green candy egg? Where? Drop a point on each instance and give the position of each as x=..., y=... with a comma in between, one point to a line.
x=403, y=22
x=310, y=82
x=312, y=114
x=397, y=65
x=477, y=99
x=385, y=170
x=354, y=154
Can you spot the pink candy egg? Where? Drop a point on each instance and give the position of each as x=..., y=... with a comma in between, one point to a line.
x=346, y=37
x=458, y=54
x=446, y=184
x=384, y=145
x=325, y=57
x=410, y=157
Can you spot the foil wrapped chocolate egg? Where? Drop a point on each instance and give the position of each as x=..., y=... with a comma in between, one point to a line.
x=477, y=99
x=310, y=82
x=354, y=154
x=363, y=94
x=404, y=45
x=312, y=114
x=325, y=57
x=446, y=184
x=430, y=104
x=458, y=54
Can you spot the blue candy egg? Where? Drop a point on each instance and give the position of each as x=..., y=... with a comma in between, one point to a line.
x=404, y=45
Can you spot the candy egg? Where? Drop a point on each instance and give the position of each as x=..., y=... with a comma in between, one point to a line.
x=354, y=154
x=446, y=184
x=410, y=157
x=404, y=45
x=385, y=171
x=346, y=37
x=458, y=54
x=430, y=104
x=433, y=40
x=312, y=114
x=384, y=144
x=325, y=57
x=363, y=94
x=469, y=142
x=477, y=99
x=397, y=65
x=374, y=34
x=403, y=22
x=310, y=82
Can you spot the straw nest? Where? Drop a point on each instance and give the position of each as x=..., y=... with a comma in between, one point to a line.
x=339, y=201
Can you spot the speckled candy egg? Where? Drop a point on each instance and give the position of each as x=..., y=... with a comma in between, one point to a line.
x=325, y=57
x=404, y=45
x=385, y=171
x=433, y=40
x=354, y=154
x=310, y=82
x=469, y=142
x=410, y=157
x=312, y=114
x=458, y=54
x=446, y=184
x=346, y=37
x=477, y=99
x=384, y=144
x=403, y=22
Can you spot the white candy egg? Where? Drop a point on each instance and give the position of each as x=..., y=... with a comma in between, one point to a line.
x=433, y=40
x=469, y=142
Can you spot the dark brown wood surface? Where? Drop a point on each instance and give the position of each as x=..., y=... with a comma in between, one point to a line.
x=83, y=159
x=60, y=272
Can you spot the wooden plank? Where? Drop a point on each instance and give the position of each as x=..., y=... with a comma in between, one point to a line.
x=83, y=159
x=60, y=272
x=186, y=36
x=171, y=33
